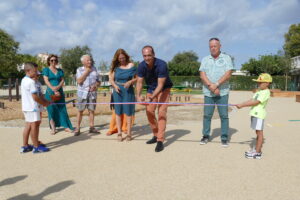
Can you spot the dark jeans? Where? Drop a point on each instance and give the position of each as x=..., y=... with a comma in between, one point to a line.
x=223, y=113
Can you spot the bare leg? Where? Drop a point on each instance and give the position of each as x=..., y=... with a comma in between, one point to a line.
x=26, y=133
x=38, y=123
x=79, y=119
x=52, y=126
x=259, y=140
x=91, y=116
x=129, y=124
x=34, y=133
x=119, y=122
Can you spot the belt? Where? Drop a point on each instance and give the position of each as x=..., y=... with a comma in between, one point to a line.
x=119, y=83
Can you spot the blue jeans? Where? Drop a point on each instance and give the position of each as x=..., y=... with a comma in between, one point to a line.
x=223, y=113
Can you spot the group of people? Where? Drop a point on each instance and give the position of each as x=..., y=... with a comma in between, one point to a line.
x=215, y=72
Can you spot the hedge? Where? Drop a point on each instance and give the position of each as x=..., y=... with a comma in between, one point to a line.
x=236, y=82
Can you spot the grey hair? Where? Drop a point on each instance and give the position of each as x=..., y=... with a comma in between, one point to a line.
x=29, y=65
x=86, y=55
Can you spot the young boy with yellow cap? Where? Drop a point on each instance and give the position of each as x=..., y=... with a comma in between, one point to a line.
x=258, y=112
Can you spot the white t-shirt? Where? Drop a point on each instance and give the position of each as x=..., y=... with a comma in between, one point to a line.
x=28, y=87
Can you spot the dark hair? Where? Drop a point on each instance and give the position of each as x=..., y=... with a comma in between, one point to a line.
x=51, y=56
x=115, y=61
x=214, y=38
x=148, y=46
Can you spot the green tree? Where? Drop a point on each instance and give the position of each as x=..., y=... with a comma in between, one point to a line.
x=184, y=64
x=292, y=41
x=22, y=58
x=70, y=58
x=8, y=55
x=272, y=64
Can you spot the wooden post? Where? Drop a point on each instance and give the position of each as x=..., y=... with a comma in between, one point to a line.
x=17, y=89
x=9, y=89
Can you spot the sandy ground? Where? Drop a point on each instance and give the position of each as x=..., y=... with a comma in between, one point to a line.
x=99, y=167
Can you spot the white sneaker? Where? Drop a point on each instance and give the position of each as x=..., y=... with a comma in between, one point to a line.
x=253, y=155
x=250, y=151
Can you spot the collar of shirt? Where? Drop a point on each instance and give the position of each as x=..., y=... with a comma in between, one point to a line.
x=220, y=56
x=155, y=63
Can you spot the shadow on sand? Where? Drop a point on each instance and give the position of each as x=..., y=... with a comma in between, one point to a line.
x=50, y=190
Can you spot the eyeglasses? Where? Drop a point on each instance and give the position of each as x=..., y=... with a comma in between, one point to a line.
x=54, y=60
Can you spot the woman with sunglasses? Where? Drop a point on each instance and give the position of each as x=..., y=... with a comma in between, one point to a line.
x=54, y=79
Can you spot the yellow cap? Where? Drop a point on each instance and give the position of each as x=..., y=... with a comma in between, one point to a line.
x=264, y=78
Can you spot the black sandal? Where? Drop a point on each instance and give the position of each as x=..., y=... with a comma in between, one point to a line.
x=94, y=130
x=76, y=132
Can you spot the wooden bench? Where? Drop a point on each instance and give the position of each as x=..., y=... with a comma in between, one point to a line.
x=285, y=93
x=179, y=98
x=298, y=98
x=71, y=101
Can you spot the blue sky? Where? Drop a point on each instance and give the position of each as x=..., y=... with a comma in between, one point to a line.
x=247, y=28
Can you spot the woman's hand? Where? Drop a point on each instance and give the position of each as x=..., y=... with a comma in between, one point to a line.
x=54, y=88
x=57, y=93
x=127, y=84
x=117, y=89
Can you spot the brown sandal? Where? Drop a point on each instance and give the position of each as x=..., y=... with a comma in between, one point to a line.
x=119, y=137
x=76, y=132
x=53, y=132
x=94, y=130
x=128, y=138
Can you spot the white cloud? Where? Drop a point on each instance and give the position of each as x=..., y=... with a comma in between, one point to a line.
x=161, y=23
x=90, y=7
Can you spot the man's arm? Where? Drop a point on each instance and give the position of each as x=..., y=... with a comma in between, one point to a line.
x=85, y=74
x=158, y=89
x=224, y=78
x=211, y=86
x=204, y=79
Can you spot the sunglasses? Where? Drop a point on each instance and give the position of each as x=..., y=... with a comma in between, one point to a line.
x=54, y=60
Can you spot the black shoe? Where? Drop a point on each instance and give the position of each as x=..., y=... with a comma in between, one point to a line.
x=159, y=147
x=152, y=141
x=204, y=140
x=224, y=143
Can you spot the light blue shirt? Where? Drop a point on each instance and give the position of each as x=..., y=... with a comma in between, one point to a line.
x=214, y=70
